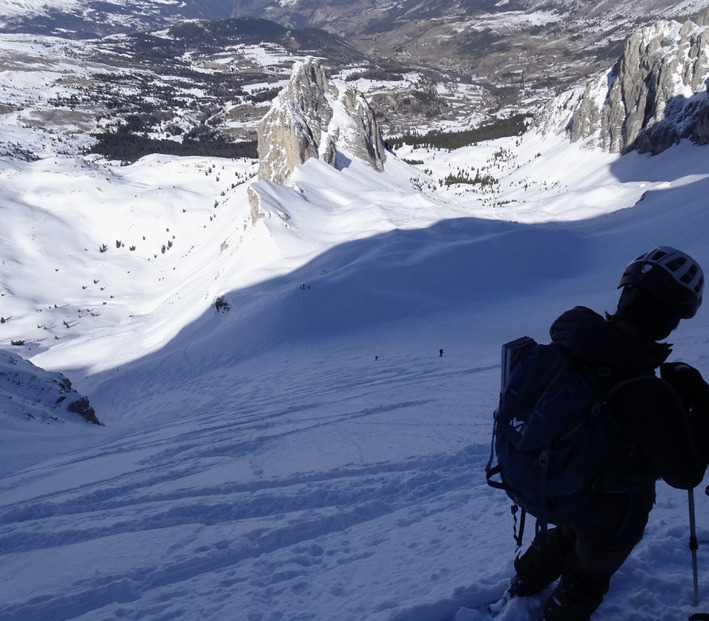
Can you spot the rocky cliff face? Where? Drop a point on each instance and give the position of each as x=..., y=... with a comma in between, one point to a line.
x=654, y=96
x=296, y=126
x=31, y=393
x=311, y=118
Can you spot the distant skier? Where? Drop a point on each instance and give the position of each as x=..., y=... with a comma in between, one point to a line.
x=662, y=432
x=440, y=353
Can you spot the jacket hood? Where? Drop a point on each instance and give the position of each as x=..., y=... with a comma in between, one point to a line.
x=590, y=337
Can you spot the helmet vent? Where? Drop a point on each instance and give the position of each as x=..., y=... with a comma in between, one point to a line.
x=689, y=275
x=658, y=255
x=675, y=264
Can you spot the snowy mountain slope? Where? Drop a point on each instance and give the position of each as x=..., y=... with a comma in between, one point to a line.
x=94, y=18
x=283, y=438
x=85, y=243
x=59, y=93
x=616, y=9
x=14, y=8
x=308, y=453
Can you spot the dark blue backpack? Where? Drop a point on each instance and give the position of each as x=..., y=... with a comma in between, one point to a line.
x=551, y=431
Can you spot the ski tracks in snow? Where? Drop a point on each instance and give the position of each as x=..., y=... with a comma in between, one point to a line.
x=284, y=494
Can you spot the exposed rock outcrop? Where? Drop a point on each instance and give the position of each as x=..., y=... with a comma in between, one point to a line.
x=28, y=392
x=654, y=96
x=311, y=118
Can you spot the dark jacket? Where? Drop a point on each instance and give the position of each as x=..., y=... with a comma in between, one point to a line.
x=653, y=437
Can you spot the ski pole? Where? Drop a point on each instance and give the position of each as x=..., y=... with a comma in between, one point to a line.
x=693, y=545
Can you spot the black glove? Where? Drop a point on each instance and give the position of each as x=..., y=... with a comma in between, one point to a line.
x=689, y=384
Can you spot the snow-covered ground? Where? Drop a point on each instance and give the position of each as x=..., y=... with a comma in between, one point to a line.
x=308, y=453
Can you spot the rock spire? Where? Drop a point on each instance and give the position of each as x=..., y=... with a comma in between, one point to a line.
x=654, y=96
x=311, y=118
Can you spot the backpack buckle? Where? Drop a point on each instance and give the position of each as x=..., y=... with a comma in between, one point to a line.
x=543, y=460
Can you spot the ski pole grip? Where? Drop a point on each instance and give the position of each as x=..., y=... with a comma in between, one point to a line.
x=693, y=543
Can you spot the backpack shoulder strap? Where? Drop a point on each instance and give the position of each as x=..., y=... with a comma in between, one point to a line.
x=619, y=385
x=631, y=380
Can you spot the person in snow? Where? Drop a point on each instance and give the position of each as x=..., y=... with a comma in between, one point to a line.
x=663, y=431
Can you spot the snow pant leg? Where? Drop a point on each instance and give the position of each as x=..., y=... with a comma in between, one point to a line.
x=606, y=534
x=544, y=560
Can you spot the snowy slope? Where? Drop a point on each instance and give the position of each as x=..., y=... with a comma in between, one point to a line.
x=14, y=8
x=308, y=454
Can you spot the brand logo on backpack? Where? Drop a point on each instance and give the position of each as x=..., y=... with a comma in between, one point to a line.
x=517, y=425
